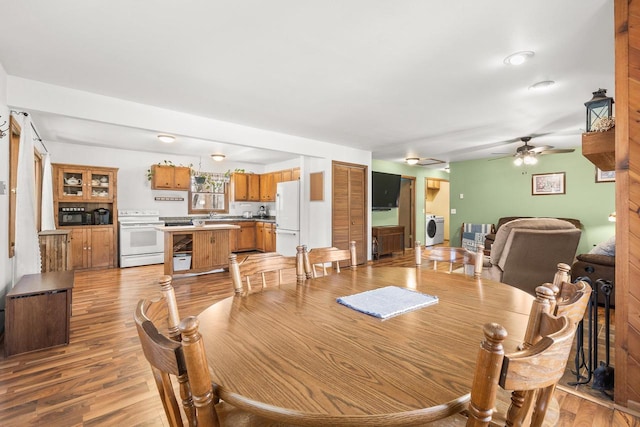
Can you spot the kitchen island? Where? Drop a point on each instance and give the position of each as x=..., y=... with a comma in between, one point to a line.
x=196, y=249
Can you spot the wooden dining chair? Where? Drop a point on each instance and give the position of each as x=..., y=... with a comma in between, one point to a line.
x=471, y=261
x=572, y=305
x=185, y=359
x=320, y=257
x=162, y=314
x=264, y=268
x=537, y=368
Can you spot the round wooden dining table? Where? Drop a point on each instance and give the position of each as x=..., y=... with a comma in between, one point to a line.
x=293, y=354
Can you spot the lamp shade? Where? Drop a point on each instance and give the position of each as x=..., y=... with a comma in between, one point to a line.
x=412, y=160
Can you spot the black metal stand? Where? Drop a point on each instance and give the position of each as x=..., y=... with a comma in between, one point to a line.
x=602, y=375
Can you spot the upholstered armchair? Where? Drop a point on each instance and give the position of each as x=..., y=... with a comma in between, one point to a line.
x=526, y=251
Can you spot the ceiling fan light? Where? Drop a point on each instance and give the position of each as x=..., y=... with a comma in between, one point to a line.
x=166, y=138
x=412, y=160
x=530, y=159
x=217, y=157
x=518, y=58
x=517, y=161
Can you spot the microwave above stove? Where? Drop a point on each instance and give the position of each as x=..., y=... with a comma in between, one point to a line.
x=74, y=215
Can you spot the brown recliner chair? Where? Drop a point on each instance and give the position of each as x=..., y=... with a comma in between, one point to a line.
x=599, y=263
x=526, y=251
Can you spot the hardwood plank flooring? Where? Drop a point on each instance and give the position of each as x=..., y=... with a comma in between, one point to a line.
x=102, y=378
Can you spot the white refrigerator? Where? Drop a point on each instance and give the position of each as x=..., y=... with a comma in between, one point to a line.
x=287, y=217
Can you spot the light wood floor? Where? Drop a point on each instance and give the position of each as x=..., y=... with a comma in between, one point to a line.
x=102, y=379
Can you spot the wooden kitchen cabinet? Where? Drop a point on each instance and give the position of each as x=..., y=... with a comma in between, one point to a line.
x=246, y=236
x=265, y=236
x=267, y=187
x=88, y=188
x=246, y=186
x=83, y=184
x=192, y=249
x=210, y=249
x=92, y=247
x=170, y=177
x=260, y=236
x=269, y=237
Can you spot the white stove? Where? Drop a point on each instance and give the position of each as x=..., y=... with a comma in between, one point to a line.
x=140, y=242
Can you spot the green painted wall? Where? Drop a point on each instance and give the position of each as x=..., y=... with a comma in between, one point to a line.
x=390, y=217
x=497, y=188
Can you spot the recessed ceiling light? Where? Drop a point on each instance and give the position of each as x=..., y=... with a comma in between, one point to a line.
x=217, y=157
x=167, y=138
x=543, y=85
x=412, y=160
x=518, y=57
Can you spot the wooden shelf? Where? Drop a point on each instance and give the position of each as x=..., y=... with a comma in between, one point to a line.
x=600, y=149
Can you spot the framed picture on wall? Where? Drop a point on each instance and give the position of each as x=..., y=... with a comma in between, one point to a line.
x=605, y=176
x=545, y=184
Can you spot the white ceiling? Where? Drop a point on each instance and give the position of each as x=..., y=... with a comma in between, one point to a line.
x=402, y=79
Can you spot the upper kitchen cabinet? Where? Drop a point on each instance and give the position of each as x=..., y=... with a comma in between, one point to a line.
x=267, y=187
x=165, y=177
x=84, y=184
x=246, y=187
x=269, y=182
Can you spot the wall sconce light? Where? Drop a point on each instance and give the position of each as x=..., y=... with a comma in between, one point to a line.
x=412, y=160
x=217, y=157
x=167, y=138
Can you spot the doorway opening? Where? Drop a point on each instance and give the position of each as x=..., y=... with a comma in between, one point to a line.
x=436, y=202
x=407, y=209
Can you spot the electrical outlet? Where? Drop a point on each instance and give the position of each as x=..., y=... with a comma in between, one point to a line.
x=461, y=196
x=453, y=211
x=3, y=187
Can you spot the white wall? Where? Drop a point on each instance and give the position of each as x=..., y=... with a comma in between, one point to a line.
x=134, y=190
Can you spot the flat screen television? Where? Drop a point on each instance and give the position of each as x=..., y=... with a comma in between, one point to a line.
x=385, y=189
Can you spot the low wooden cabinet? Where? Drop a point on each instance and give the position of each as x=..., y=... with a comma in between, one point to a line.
x=265, y=236
x=38, y=312
x=388, y=239
x=92, y=247
x=246, y=240
x=210, y=249
x=55, y=250
x=192, y=249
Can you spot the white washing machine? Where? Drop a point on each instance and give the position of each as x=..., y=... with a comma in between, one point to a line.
x=434, y=230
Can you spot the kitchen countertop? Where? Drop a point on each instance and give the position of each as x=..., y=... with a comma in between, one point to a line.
x=217, y=219
x=199, y=227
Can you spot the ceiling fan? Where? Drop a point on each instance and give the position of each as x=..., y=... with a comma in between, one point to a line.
x=528, y=154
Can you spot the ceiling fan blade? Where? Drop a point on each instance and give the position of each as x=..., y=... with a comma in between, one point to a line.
x=498, y=158
x=540, y=149
x=558, y=151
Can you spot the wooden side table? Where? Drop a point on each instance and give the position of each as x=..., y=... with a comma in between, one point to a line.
x=390, y=239
x=55, y=250
x=38, y=312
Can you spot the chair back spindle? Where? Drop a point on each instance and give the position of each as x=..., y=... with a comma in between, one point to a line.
x=318, y=258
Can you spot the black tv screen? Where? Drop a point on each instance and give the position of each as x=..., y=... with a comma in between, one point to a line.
x=385, y=188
